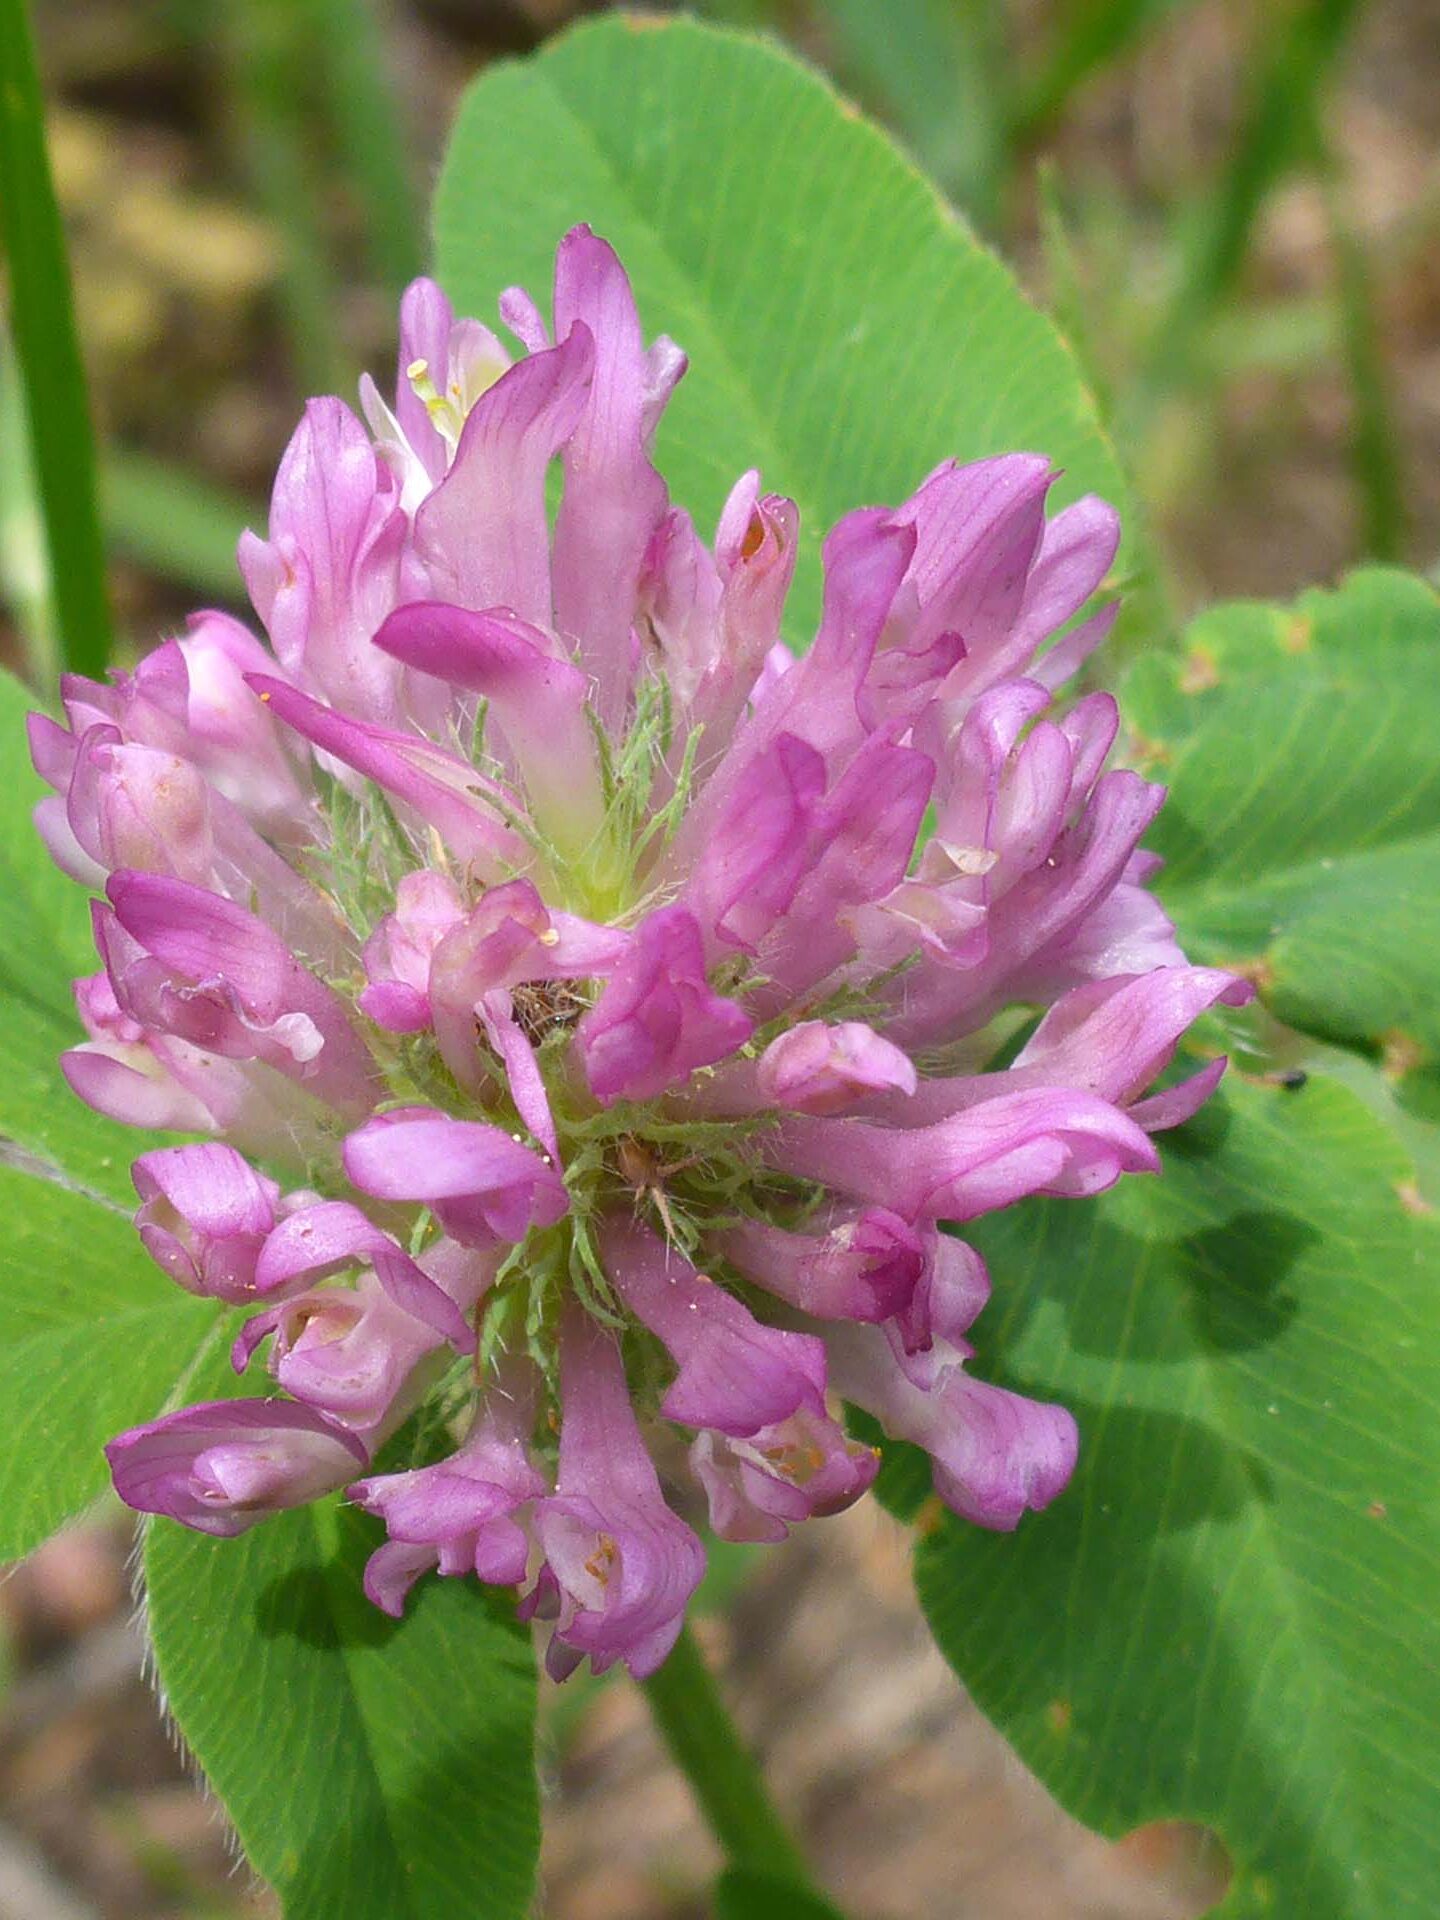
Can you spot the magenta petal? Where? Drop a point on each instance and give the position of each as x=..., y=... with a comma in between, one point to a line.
x=397, y=955
x=613, y=499
x=1041, y=1140
x=1113, y=1038
x=391, y=1571
x=329, y=571
x=350, y=1352
x=492, y=653
x=755, y=549
x=756, y=854
x=480, y=1182
x=536, y=697
x=410, y=1287
x=483, y=532
x=522, y=1068
x=1175, y=1105
x=866, y=1268
x=463, y=1509
x=1109, y=1037
x=1002, y=1454
x=316, y=1241
x=524, y=319
x=319, y=1240
x=995, y=1453
x=445, y=791
x=949, y=1298
x=736, y=1374
x=394, y=1006
x=978, y=530
x=1073, y=917
x=819, y=1068
x=204, y=1216
x=658, y=1018
x=130, y=1085
x=1076, y=552
x=426, y=322
x=227, y=732
x=1069, y=653
x=803, y=1467
x=221, y=1467
x=202, y=968
x=620, y=1566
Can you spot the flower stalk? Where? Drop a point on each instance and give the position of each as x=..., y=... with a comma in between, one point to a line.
x=706, y=1745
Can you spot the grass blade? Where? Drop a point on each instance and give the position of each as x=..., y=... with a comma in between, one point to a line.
x=52, y=374
x=1374, y=446
x=178, y=526
x=1278, y=130
x=1091, y=34
x=24, y=562
x=266, y=46
x=374, y=152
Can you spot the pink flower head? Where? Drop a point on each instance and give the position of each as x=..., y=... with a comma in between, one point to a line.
x=541, y=947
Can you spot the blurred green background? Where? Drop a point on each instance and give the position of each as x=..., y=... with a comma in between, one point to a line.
x=1233, y=209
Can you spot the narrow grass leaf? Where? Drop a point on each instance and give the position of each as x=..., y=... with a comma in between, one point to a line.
x=53, y=375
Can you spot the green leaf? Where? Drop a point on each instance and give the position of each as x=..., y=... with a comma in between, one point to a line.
x=93, y=1339
x=845, y=329
x=1407, y=1105
x=1230, y=1615
x=740, y=1895
x=374, y=1769
x=1302, y=832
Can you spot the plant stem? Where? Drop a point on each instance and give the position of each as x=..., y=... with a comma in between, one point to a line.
x=706, y=1745
x=52, y=374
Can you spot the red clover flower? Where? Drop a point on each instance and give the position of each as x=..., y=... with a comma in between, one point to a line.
x=588, y=1003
